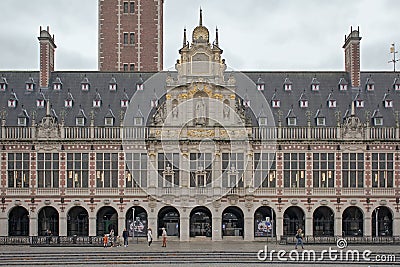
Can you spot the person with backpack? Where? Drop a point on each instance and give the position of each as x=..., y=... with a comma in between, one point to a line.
x=299, y=237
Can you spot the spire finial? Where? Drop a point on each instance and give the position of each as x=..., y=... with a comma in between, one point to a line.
x=216, y=36
x=184, y=37
x=201, y=17
x=48, y=106
x=353, y=110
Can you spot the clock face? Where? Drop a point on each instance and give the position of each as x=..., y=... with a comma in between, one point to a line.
x=200, y=33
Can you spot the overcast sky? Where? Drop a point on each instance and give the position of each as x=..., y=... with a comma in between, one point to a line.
x=254, y=34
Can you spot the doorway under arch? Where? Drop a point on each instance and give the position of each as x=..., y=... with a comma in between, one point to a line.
x=200, y=222
x=168, y=217
x=353, y=222
x=140, y=222
x=264, y=222
x=385, y=221
x=78, y=222
x=106, y=220
x=232, y=222
x=18, y=222
x=323, y=222
x=293, y=219
x=48, y=219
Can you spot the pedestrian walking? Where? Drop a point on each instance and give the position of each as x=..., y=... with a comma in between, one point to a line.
x=149, y=236
x=125, y=235
x=164, y=237
x=111, y=238
x=105, y=240
x=299, y=237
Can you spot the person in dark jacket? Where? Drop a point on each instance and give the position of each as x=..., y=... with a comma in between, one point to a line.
x=125, y=236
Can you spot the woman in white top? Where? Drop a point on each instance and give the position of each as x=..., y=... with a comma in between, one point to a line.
x=149, y=236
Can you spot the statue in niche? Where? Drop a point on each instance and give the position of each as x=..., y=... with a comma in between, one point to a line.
x=174, y=110
x=200, y=112
x=226, y=111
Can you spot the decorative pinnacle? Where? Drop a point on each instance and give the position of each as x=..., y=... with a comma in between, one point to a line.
x=184, y=37
x=216, y=36
x=201, y=17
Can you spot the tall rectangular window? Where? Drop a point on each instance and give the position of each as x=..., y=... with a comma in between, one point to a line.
x=382, y=170
x=200, y=169
x=136, y=170
x=132, y=7
x=77, y=170
x=106, y=170
x=126, y=38
x=264, y=170
x=48, y=170
x=232, y=169
x=18, y=170
x=125, y=67
x=126, y=5
x=323, y=170
x=294, y=170
x=353, y=170
x=132, y=67
x=132, y=38
x=168, y=169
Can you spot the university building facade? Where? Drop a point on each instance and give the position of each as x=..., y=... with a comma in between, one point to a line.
x=206, y=152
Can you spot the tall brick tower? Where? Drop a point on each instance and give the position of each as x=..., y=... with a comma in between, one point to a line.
x=130, y=35
x=352, y=56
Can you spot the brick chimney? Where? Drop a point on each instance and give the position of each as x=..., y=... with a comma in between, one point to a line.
x=352, y=56
x=47, y=48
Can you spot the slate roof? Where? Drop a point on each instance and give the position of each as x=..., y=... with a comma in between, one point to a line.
x=274, y=81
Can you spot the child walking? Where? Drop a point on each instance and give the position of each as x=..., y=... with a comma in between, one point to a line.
x=105, y=240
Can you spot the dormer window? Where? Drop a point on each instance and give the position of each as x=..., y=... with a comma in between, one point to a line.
x=262, y=121
x=370, y=84
x=292, y=121
x=138, y=121
x=388, y=103
x=112, y=86
x=359, y=103
x=396, y=87
x=124, y=103
x=154, y=103
x=378, y=121
x=246, y=103
x=332, y=103
x=303, y=103
x=85, y=86
x=260, y=84
x=12, y=103
x=139, y=84
x=370, y=87
x=343, y=87
x=3, y=86
x=68, y=103
x=96, y=103
x=22, y=121
x=109, y=121
x=276, y=103
x=57, y=86
x=30, y=86
x=40, y=103
x=80, y=121
x=321, y=121
x=288, y=87
x=314, y=87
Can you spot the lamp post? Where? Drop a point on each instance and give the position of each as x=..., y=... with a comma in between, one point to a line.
x=376, y=222
x=133, y=224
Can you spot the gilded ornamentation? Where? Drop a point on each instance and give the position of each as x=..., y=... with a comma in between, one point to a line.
x=201, y=133
x=233, y=96
x=168, y=96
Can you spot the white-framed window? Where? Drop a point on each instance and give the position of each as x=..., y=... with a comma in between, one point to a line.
x=303, y=103
x=68, y=103
x=154, y=103
x=388, y=103
x=262, y=121
x=48, y=170
x=294, y=170
x=288, y=87
x=343, y=87
x=370, y=87
x=396, y=87
x=30, y=86
x=106, y=170
x=96, y=103
x=12, y=103
x=57, y=86
x=80, y=121
x=22, y=121
x=3, y=86
x=233, y=169
x=276, y=103
x=260, y=87
x=124, y=103
x=378, y=121
x=112, y=87
x=292, y=121
x=138, y=121
x=85, y=86
x=246, y=103
x=168, y=169
x=40, y=103
x=139, y=87
x=359, y=103
x=314, y=87
x=200, y=169
x=109, y=121
x=332, y=103
x=321, y=121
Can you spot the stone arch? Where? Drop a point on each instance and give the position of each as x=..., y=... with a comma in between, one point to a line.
x=18, y=222
x=293, y=219
x=264, y=222
x=382, y=219
x=48, y=219
x=200, y=222
x=232, y=221
x=168, y=217
x=323, y=221
x=140, y=221
x=77, y=221
x=353, y=221
x=106, y=220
